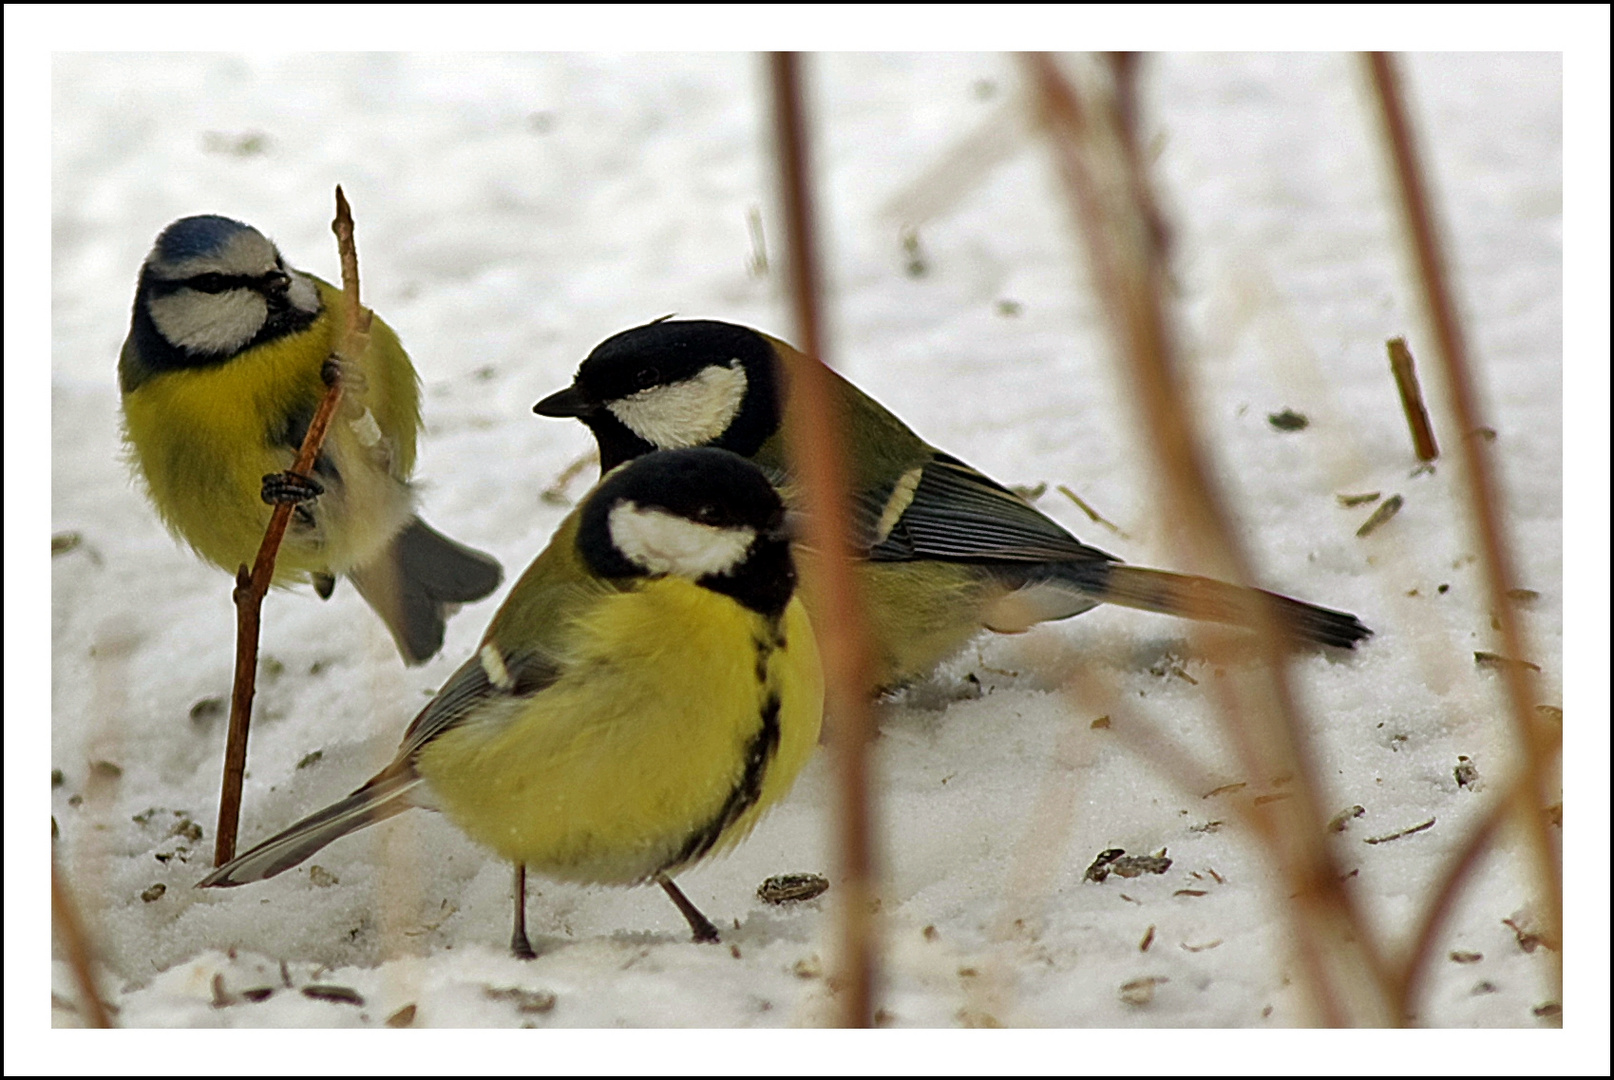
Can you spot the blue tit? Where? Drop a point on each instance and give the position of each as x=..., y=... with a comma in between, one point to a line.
x=945, y=550
x=648, y=689
x=221, y=375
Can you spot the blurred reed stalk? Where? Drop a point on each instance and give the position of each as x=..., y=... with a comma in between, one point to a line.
x=811, y=427
x=1536, y=745
x=69, y=930
x=1092, y=134
x=1421, y=951
x=251, y=587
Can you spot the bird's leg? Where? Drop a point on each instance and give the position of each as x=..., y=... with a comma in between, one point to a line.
x=519, y=945
x=700, y=924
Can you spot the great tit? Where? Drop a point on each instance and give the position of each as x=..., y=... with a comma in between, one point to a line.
x=946, y=549
x=648, y=689
x=221, y=375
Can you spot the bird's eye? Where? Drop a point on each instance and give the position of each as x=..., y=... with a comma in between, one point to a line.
x=210, y=283
x=647, y=378
x=707, y=514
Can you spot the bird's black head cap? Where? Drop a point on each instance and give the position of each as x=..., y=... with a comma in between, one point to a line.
x=665, y=353
x=709, y=487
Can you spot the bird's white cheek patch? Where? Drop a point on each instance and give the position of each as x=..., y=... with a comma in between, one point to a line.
x=302, y=294
x=664, y=543
x=209, y=322
x=691, y=413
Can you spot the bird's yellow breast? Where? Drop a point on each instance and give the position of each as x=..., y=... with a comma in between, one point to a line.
x=203, y=439
x=680, y=717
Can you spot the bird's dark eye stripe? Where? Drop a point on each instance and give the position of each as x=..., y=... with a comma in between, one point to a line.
x=217, y=283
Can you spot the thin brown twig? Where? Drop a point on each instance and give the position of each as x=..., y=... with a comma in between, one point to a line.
x=1125, y=237
x=1406, y=385
x=1484, y=498
x=251, y=587
x=811, y=426
x=358, y=316
x=70, y=931
x=556, y=491
x=1094, y=515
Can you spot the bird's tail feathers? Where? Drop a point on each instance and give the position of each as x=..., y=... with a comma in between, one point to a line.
x=1064, y=589
x=419, y=581
x=1217, y=601
x=378, y=800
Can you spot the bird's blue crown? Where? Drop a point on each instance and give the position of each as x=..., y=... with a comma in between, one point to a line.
x=203, y=234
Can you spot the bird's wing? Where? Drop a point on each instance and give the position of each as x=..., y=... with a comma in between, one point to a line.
x=524, y=651
x=947, y=510
x=521, y=655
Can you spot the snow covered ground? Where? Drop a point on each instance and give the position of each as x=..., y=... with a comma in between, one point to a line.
x=512, y=211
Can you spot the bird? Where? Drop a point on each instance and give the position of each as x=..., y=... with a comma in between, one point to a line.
x=649, y=688
x=226, y=361
x=942, y=550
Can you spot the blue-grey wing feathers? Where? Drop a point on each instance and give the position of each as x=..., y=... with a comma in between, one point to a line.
x=958, y=514
x=951, y=512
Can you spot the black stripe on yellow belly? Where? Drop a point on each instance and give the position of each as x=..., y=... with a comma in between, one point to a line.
x=758, y=754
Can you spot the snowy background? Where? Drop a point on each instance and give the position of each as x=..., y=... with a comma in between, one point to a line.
x=512, y=211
